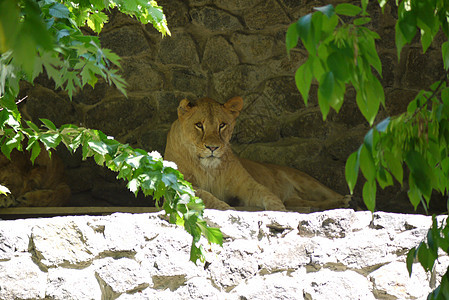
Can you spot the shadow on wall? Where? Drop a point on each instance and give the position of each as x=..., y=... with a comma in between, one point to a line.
x=222, y=49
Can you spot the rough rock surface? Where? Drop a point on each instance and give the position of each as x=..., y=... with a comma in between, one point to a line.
x=265, y=255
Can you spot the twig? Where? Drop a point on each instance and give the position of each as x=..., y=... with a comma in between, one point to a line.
x=21, y=100
x=443, y=79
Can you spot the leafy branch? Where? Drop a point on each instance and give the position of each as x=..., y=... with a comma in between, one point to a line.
x=344, y=53
x=38, y=35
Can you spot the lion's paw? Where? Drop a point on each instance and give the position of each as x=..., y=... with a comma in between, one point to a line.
x=8, y=201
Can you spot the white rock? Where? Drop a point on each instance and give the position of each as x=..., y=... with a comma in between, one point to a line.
x=392, y=281
x=21, y=278
x=60, y=244
x=72, y=284
x=336, y=254
x=330, y=285
x=118, y=276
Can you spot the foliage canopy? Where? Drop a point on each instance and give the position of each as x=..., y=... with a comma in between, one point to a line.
x=47, y=34
x=342, y=52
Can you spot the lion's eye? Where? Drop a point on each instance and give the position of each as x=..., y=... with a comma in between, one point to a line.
x=199, y=125
x=222, y=125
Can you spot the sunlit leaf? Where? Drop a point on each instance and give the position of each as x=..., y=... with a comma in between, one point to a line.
x=327, y=10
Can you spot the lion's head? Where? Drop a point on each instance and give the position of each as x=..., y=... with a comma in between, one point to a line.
x=208, y=126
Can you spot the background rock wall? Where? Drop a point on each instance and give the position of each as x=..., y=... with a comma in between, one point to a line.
x=265, y=255
x=223, y=49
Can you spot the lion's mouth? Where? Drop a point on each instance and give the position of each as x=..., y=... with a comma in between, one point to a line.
x=210, y=161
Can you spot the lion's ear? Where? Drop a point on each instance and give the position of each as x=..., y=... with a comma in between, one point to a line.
x=184, y=107
x=234, y=105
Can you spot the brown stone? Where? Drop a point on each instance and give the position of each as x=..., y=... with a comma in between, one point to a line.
x=397, y=101
x=141, y=74
x=240, y=80
x=91, y=95
x=45, y=103
x=175, y=11
x=283, y=94
x=253, y=48
x=265, y=14
x=188, y=80
x=125, y=41
x=306, y=124
x=179, y=49
x=219, y=55
x=233, y=5
x=422, y=69
x=214, y=19
x=120, y=115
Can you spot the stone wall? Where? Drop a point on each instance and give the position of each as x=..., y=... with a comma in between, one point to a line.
x=222, y=49
x=265, y=255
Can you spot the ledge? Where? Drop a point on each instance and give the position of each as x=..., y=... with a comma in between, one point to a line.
x=28, y=212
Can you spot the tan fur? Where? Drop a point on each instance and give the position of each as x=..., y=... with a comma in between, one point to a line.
x=198, y=142
x=41, y=184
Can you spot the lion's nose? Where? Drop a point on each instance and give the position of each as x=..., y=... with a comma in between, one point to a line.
x=212, y=148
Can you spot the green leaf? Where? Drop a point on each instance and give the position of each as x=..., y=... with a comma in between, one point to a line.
x=352, y=170
x=4, y=190
x=196, y=254
x=49, y=124
x=407, y=25
x=426, y=39
x=304, y=28
x=445, y=53
x=361, y=21
x=414, y=195
x=96, y=21
x=367, y=164
x=364, y=6
x=32, y=126
x=339, y=66
x=303, y=80
x=291, y=38
x=169, y=179
x=59, y=10
x=347, y=9
x=9, y=24
x=25, y=52
x=383, y=125
x=420, y=171
x=35, y=151
x=394, y=165
x=50, y=140
x=99, y=159
x=133, y=186
x=425, y=257
x=327, y=10
x=369, y=195
x=410, y=259
x=400, y=40
x=384, y=178
x=213, y=235
x=368, y=51
x=325, y=92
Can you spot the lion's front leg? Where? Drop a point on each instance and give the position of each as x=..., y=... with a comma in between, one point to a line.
x=253, y=193
x=272, y=202
x=212, y=202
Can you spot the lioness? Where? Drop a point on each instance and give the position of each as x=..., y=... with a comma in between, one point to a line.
x=198, y=142
x=41, y=184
